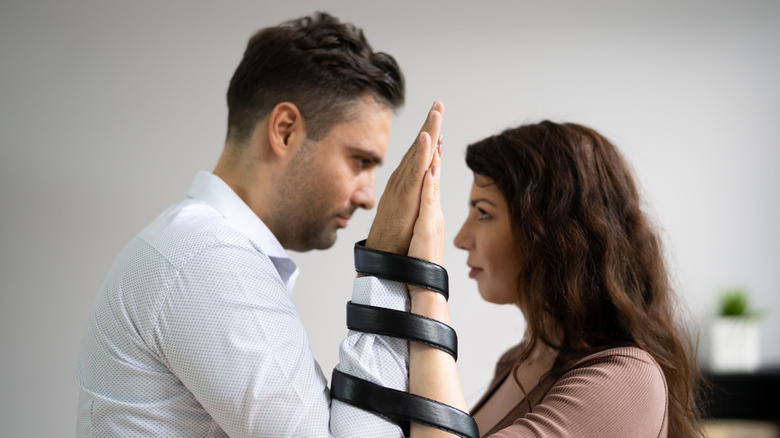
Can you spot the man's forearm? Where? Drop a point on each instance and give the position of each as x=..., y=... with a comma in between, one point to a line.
x=379, y=359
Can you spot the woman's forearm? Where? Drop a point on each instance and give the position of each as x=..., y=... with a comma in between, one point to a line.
x=432, y=372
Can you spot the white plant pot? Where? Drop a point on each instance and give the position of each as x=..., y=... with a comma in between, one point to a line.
x=734, y=344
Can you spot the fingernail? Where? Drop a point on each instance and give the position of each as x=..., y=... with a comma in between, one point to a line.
x=433, y=170
x=430, y=115
x=441, y=143
x=420, y=138
x=433, y=107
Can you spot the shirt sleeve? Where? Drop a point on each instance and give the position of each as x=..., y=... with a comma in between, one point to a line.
x=229, y=332
x=379, y=359
x=617, y=396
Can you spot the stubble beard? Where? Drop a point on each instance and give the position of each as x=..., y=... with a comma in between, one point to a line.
x=314, y=234
x=301, y=212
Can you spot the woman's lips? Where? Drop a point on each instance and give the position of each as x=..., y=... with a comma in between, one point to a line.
x=474, y=271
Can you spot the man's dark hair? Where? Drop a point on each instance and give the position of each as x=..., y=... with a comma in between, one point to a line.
x=319, y=64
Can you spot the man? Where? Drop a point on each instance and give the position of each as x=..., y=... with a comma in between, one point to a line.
x=193, y=332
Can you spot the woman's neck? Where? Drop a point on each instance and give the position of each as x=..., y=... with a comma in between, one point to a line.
x=551, y=335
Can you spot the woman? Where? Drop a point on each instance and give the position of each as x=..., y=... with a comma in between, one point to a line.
x=555, y=227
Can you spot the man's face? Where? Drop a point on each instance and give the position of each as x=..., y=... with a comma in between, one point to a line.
x=327, y=180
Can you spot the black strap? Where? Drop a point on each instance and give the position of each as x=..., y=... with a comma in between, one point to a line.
x=401, y=406
x=396, y=323
x=404, y=269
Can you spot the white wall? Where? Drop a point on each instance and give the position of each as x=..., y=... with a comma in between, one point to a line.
x=107, y=109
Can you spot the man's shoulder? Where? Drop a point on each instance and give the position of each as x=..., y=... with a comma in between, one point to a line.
x=190, y=227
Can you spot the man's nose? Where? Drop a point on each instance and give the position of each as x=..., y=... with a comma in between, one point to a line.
x=365, y=195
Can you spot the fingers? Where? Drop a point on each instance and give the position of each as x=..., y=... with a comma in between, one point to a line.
x=423, y=155
x=428, y=239
x=430, y=199
x=431, y=192
x=432, y=124
x=432, y=127
x=418, y=158
x=436, y=164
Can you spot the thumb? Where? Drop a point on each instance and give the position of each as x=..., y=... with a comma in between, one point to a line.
x=431, y=191
x=428, y=238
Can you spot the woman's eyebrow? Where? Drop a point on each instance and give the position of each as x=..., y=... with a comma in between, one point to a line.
x=474, y=202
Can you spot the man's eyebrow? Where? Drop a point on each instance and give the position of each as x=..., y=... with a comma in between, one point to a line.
x=474, y=202
x=367, y=153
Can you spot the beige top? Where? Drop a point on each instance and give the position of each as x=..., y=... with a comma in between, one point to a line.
x=620, y=392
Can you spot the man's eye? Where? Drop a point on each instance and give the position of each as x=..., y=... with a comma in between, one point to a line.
x=362, y=163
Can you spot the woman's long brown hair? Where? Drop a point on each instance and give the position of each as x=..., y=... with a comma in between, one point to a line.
x=592, y=259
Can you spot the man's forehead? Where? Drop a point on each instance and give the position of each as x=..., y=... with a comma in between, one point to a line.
x=366, y=103
x=368, y=133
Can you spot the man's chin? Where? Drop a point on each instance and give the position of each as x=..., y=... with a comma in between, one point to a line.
x=323, y=241
x=327, y=245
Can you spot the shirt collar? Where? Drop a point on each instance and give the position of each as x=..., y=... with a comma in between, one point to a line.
x=212, y=190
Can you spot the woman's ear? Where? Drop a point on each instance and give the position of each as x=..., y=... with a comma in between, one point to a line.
x=285, y=129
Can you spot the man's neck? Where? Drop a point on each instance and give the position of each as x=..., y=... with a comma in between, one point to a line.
x=241, y=173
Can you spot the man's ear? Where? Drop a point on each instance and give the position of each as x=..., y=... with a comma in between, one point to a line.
x=285, y=129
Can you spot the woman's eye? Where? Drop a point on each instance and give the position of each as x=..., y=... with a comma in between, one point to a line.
x=482, y=214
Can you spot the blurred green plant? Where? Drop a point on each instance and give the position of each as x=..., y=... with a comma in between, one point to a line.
x=735, y=303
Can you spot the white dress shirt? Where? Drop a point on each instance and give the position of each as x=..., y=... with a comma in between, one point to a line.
x=193, y=334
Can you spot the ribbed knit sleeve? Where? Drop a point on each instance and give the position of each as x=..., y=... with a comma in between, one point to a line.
x=620, y=392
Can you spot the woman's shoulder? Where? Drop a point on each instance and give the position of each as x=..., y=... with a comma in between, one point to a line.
x=624, y=381
x=617, y=392
x=622, y=368
x=625, y=356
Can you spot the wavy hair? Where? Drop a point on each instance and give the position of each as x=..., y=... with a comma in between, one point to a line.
x=316, y=62
x=592, y=259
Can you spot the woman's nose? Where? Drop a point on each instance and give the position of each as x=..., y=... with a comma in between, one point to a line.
x=463, y=239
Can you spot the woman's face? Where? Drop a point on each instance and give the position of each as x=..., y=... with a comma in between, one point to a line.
x=487, y=236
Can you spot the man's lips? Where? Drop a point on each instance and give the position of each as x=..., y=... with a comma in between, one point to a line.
x=343, y=215
x=342, y=220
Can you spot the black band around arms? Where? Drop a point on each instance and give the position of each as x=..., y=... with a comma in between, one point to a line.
x=404, y=269
x=401, y=406
x=389, y=322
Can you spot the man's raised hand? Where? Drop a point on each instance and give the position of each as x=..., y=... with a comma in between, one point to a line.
x=399, y=205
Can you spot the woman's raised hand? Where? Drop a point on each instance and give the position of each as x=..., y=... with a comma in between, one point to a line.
x=432, y=372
